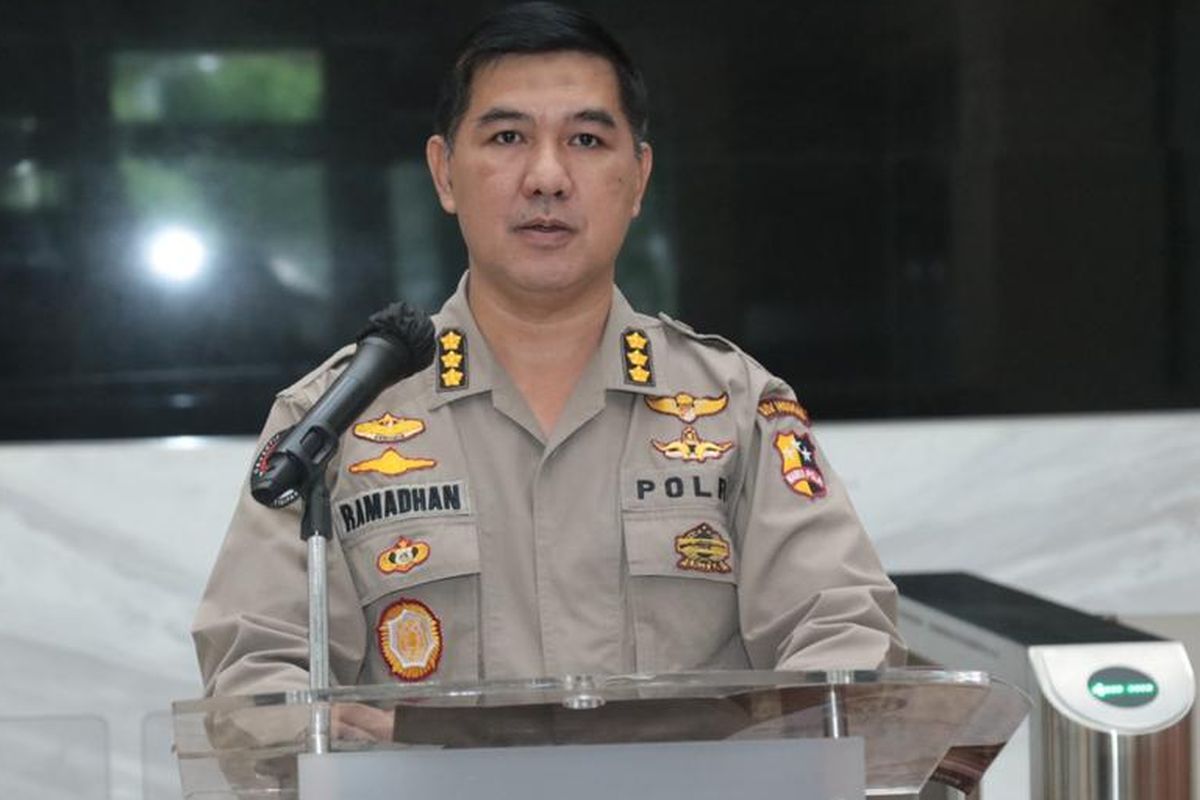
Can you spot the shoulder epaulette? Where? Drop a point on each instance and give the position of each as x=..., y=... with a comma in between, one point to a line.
x=332, y=365
x=691, y=333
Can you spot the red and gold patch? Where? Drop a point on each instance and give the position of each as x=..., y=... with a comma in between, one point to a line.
x=687, y=407
x=452, y=360
x=702, y=549
x=690, y=447
x=639, y=362
x=410, y=639
x=772, y=407
x=388, y=428
x=262, y=464
x=799, y=464
x=403, y=556
x=392, y=463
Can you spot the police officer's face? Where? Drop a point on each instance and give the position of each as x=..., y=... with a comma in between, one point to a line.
x=543, y=174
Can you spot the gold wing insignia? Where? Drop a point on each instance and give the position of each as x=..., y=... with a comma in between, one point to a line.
x=688, y=407
x=711, y=405
x=664, y=405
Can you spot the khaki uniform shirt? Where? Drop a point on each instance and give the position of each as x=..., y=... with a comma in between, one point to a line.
x=680, y=516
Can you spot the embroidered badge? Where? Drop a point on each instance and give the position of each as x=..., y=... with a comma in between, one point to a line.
x=799, y=465
x=392, y=463
x=702, y=549
x=403, y=556
x=639, y=362
x=410, y=639
x=688, y=407
x=690, y=447
x=263, y=461
x=772, y=407
x=388, y=429
x=452, y=360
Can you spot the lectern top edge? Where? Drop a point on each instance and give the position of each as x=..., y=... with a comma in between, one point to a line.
x=551, y=689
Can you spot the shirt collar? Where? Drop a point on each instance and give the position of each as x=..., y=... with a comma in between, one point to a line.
x=631, y=352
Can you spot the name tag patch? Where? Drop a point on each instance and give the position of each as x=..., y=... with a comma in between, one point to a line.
x=402, y=502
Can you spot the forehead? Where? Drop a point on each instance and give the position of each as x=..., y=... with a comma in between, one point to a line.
x=544, y=82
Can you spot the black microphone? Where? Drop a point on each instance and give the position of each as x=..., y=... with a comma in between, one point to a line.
x=397, y=342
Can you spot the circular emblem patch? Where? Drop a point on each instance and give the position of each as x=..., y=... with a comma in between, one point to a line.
x=410, y=639
x=263, y=460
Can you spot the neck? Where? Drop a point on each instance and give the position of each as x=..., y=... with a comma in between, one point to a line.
x=543, y=342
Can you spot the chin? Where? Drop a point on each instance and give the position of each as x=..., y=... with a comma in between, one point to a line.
x=553, y=278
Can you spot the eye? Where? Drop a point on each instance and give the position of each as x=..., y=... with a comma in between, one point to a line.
x=507, y=137
x=587, y=140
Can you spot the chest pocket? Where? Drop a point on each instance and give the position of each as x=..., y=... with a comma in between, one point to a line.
x=418, y=583
x=683, y=590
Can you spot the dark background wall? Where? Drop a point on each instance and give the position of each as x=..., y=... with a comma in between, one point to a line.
x=904, y=208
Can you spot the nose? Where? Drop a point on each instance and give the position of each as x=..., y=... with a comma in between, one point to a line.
x=547, y=173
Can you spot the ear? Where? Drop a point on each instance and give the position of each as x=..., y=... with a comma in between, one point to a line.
x=437, y=156
x=645, y=163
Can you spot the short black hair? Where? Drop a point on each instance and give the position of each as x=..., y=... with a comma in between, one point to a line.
x=537, y=27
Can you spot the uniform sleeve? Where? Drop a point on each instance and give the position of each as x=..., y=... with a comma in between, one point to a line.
x=812, y=593
x=251, y=630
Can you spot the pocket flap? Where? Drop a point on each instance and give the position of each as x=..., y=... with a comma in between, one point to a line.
x=680, y=546
x=413, y=554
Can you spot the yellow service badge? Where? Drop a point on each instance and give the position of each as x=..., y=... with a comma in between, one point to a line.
x=392, y=463
x=388, y=429
x=403, y=556
x=702, y=549
x=690, y=447
x=410, y=639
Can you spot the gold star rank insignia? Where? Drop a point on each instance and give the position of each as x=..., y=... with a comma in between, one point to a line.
x=638, y=362
x=452, y=356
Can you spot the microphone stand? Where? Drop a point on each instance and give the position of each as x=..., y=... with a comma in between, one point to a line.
x=316, y=529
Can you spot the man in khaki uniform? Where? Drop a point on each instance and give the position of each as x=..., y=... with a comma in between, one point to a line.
x=571, y=487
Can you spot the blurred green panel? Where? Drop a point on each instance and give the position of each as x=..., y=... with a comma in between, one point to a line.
x=276, y=86
x=263, y=214
x=28, y=186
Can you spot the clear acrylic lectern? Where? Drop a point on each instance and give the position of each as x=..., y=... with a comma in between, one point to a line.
x=654, y=736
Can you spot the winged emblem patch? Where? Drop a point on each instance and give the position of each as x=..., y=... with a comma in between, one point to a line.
x=686, y=407
x=690, y=447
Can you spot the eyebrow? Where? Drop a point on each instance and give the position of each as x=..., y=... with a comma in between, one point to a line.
x=501, y=114
x=596, y=115
x=496, y=114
